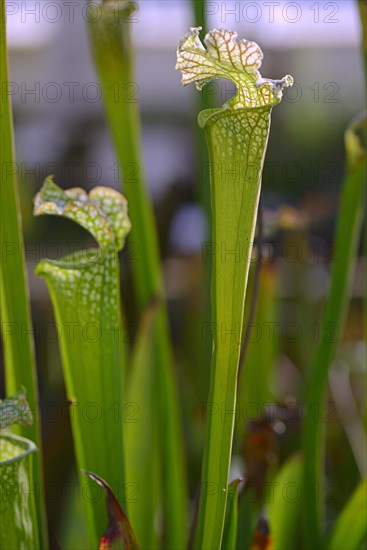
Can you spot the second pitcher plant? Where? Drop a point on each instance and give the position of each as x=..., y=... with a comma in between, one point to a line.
x=237, y=136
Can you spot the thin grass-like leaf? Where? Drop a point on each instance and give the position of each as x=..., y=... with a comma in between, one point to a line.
x=348, y=229
x=17, y=334
x=113, y=57
x=231, y=520
x=246, y=523
x=350, y=529
x=141, y=435
x=285, y=504
x=362, y=5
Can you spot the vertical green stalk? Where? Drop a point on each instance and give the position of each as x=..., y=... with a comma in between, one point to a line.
x=237, y=136
x=141, y=458
x=85, y=291
x=362, y=5
x=112, y=50
x=113, y=57
x=342, y=536
x=205, y=101
x=348, y=229
x=20, y=368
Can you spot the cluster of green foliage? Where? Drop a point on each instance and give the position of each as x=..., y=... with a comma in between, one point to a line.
x=85, y=289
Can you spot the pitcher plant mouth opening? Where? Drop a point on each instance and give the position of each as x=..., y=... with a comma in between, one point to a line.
x=224, y=57
x=85, y=291
x=14, y=448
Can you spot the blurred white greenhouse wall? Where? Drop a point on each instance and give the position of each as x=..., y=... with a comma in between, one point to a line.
x=55, y=93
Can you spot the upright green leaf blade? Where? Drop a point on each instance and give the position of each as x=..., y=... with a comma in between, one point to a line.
x=230, y=524
x=362, y=5
x=349, y=223
x=285, y=504
x=112, y=50
x=350, y=529
x=141, y=435
x=113, y=57
x=20, y=368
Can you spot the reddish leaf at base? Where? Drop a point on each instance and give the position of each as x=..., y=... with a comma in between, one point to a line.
x=119, y=533
x=262, y=538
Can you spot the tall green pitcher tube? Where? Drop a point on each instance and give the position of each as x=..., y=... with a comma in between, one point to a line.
x=235, y=189
x=237, y=136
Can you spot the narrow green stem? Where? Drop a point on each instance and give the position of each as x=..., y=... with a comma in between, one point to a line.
x=349, y=222
x=205, y=100
x=110, y=39
x=113, y=56
x=20, y=368
x=362, y=5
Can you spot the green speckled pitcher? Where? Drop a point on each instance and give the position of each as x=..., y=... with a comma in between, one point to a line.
x=18, y=518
